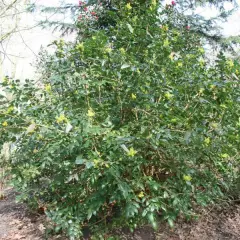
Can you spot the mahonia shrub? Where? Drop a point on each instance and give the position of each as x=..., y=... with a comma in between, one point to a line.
x=129, y=123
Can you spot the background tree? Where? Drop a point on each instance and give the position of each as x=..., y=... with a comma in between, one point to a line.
x=11, y=14
x=186, y=9
x=132, y=125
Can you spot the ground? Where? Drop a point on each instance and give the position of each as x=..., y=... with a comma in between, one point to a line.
x=18, y=223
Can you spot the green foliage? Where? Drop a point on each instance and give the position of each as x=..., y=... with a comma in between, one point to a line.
x=130, y=123
x=105, y=11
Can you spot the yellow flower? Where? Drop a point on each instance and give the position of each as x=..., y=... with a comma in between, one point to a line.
x=201, y=62
x=90, y=113
x=212, y=86
x=5, y=124
x=80, y=47
x=96, y=161
x=39, y=137
x=180, y=64
x=223, y=106
x=237, y=72
x=134, y=19
x=48, y=88
x=173, y=120
x=154, y=3
x=165, y=28
x=230, y=63
x=122, y=51
x=214, y=125
x=61, y=119
x=166, y=43
x=108, y=50
x=35, y=150
x=132, y=152
x=207, y=141
x=94, y=38
x=168, y=95
x=128, y=6
x=187, y=178
x=201, y=90
x=133, y=96
x=224, y=155
x=201, y=50
x=141, y=195
x=10, y=109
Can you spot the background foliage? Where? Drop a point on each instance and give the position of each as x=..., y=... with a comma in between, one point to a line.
x=187, y=10
x=131, y=124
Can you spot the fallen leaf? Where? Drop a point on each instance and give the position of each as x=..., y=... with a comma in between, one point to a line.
x=41, y=228
x=18, y=236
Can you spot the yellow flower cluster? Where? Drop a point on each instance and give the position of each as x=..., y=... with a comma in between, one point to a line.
x=230, y=63
x=141, y=195
x=5, y=124
x=187, y=178
x=10, y=109
x=128, y=6
x=100, y=162
x=132, y=152
x=154, y=3
x=61, y=119
x=39, y=137
x=180, y=64
x=80, y=47
x=35, y=151
x=207, y=141
x=165, y=28
x=201, y=50
x=214, y=125
x=224, y=155
x=122, y=51
x=48, y=88
x=168, y=95
x=166, y=43
x=90, y=113
x=108, y=50
x=201, y=62
x=201, y=90
x=133, y=96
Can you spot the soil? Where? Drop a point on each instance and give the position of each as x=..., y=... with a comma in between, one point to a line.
x=215, y=224
x=15, y=220
x=18, y=223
